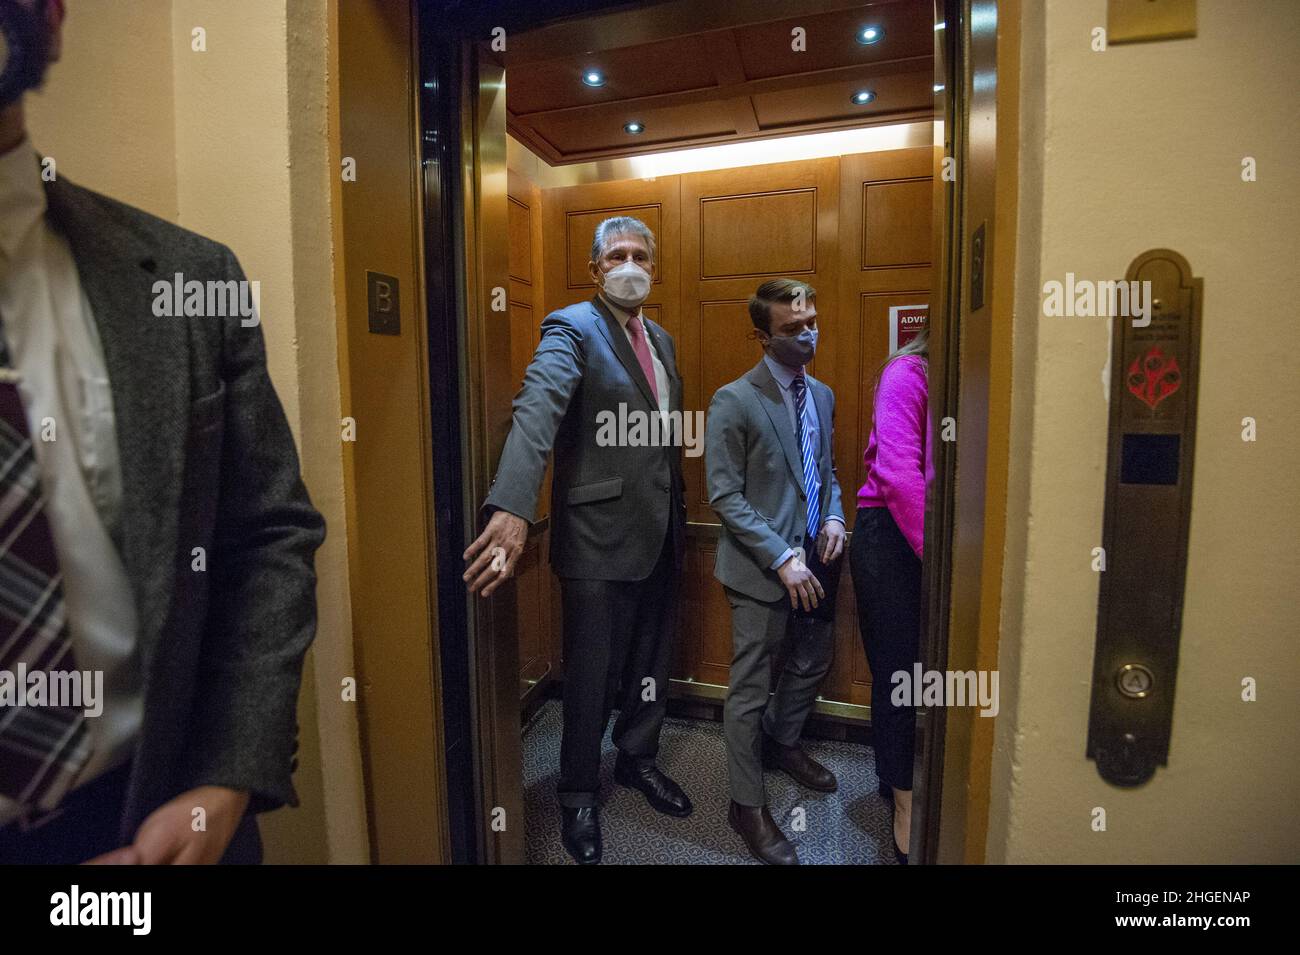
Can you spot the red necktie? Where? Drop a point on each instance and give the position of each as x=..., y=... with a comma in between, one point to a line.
x=642, y=349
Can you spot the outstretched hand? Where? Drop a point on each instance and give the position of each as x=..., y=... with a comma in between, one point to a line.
x=493, y=555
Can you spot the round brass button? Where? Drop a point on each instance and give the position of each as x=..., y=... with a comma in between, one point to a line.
x=1134, y=680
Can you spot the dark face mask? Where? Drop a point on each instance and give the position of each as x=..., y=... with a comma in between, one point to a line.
x=24, y=48
x=793, y=351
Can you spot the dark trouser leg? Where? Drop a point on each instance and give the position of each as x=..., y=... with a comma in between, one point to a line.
x=245, y=845
x=86, y=826
x=757, y=630
x=648, y=657
x=887, y=583
x=595, y=617
x=811, y=646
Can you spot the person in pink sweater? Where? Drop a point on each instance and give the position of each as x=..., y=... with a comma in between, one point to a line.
x=885, y=562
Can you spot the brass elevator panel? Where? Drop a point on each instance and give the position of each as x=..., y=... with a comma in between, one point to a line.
x=1140, y=21
x=1155, y=366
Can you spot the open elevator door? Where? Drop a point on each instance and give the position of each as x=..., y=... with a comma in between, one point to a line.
x=490, y=388
x=461, y=105
x=968, y=366
x=463, y=126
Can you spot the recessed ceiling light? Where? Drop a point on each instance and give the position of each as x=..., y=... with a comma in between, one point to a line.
x=633, y=128
x=593, y=78
x=938, y=87
x=869, y=35
x=862, y=97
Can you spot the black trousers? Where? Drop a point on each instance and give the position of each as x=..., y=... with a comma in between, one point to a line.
x=618, y=635
x=887, y=583
x=87, y=826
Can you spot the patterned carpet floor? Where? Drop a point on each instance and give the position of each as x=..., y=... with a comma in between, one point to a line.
x=848, y=827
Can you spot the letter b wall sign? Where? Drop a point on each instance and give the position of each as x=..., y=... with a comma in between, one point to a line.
x=383, y=304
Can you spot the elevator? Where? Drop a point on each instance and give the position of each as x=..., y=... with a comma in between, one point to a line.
x=798, y=179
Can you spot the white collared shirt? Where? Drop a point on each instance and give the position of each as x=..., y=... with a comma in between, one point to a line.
x=661, y=374
x=54, y=344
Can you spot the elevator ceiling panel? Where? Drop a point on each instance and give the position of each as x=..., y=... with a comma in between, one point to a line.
x=692, y=88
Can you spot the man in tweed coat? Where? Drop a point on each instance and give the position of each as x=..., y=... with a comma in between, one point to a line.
x=173, y=532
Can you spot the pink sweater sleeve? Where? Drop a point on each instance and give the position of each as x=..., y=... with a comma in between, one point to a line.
x=901, y=458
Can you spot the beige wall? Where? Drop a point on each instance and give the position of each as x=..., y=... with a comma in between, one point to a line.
x=234, y=143
x=1122, y=151
x=107, y=113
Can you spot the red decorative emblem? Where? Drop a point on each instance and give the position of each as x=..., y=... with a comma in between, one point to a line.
x=1154, y=377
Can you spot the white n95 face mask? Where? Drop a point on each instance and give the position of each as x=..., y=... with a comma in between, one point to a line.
x=627, y=286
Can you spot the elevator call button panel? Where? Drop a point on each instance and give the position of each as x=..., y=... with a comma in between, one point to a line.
x=1155, y=365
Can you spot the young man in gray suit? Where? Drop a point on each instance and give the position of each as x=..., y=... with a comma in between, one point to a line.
x=154, y=532
x=618, y=523
x=772, y=483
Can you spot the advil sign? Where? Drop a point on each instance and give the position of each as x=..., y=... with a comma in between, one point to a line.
x=905, y=323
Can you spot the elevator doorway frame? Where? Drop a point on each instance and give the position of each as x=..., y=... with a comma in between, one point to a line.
x=462, y=91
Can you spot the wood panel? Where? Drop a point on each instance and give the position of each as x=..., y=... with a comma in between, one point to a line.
x=785, y=218
x=856, y=228
x=885, y=225
x=884, y=254
x=889, y=210
x=741, y=227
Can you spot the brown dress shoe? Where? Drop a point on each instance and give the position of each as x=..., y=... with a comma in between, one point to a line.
x=801, y=767
x=766, y=842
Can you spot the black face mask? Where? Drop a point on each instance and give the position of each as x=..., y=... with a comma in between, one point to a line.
x=24, y=48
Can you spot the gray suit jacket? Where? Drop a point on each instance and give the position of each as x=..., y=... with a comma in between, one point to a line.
x=611, y=506
x=755, y=477
x=207, y=461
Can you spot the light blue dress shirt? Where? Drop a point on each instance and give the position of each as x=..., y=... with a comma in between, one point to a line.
x=784, y=376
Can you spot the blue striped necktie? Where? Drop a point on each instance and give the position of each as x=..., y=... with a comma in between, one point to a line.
x=42, y=745
x=812, y=482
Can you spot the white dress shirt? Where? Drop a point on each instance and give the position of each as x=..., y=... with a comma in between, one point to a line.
x=54, y=343
x=661, y=374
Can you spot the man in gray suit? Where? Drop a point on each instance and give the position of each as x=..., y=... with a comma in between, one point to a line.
x=772, y=483
x=618, y=522
x=155, y=535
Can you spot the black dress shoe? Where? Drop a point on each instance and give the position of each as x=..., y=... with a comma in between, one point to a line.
x=660, y=792
x=580, y=833
x=797, y=764
x=764, y=838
